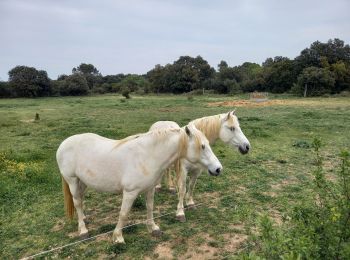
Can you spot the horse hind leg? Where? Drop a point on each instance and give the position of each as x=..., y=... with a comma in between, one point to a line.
x=77, y=194
x=158, y=187
x=182, y=175
x=192, y=183
x=82, y=188
x=171, y=182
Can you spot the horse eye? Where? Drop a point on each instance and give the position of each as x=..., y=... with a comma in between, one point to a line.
x=203, y=146
x=232, y=128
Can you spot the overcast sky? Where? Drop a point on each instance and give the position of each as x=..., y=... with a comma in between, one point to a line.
x=133, y=36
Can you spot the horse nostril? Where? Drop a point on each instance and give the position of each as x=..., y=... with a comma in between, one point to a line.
x=218, y=170
x=247, y=147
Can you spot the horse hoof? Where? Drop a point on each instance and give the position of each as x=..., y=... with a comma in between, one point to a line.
x=84, y=235
x=118, y=240
x=157, y=233
x=191, y=207
x=172, y=191
x=181, y=218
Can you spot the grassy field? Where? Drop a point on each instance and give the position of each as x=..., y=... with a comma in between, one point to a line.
x=268, y=181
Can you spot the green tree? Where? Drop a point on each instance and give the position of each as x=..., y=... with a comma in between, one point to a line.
x=341, y=73
x=5, y=89
x=74, y=85
x=113, y=78
x=279, y=74
x=133, y=83
x=184, y=75
x=86, y=69
x=314, y=81
x=333, y=51
x=90, y=72
x=157, y=78
x=29, y=82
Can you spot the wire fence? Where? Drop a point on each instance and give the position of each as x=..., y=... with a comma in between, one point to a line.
x=108, y=232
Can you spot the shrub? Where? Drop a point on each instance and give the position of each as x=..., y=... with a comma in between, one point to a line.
x=318, y=227
x=74, y=85
x=5, y=90
x=125, y=92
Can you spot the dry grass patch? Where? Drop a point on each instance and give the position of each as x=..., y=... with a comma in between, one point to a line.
x=280, y=102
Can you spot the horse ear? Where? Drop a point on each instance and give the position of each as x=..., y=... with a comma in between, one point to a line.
x=188, y=131
x=228, y=116
x=233, y=112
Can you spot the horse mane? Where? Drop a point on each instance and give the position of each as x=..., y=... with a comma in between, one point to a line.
x=126, y=139
x=209, y=126
x=161, y=134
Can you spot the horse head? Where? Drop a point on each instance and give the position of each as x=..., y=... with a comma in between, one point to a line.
x=200, y=152
x=231, y=133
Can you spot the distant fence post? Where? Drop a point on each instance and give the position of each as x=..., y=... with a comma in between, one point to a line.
x=259, y=96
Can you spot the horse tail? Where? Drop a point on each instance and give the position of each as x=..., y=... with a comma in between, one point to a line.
x=68, y=199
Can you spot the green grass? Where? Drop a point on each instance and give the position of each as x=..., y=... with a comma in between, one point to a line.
x=269, y=180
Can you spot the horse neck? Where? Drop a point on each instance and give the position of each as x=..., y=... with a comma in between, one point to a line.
x=209, y=126
x=170, y=147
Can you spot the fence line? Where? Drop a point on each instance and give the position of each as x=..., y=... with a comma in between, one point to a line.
x=103, y=234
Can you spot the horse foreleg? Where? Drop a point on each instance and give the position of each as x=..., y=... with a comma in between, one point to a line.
x=180, y=214
x=75, y=190
x=128, y=200
x=152, y=227
x=191, y=185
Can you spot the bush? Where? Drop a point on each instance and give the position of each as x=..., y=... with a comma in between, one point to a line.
x=125, y=92
x=56, y=86
x=5, y=90
x=74, y=85
x=317, y=228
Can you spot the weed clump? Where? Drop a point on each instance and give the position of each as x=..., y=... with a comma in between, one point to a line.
x=302, y=144
x=318, y=227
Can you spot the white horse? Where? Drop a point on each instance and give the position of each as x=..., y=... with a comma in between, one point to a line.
x=223, y=126
x=131, y=166
x=167, y=174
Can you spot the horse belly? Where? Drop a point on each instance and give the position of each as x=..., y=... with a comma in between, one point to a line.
x=100, y=180
x=100, y=172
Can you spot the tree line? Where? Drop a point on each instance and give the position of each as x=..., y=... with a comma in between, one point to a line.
x=322, y=68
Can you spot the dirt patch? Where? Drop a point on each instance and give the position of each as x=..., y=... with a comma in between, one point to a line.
x=246, y=103
x=203, y=251
x=238, y=227
x=58, y=226
x=277, y=102
x=176, y=109
x=276, y=216
x=164, y=251
x=27, y=121
x=283, y=183
x=234, y=241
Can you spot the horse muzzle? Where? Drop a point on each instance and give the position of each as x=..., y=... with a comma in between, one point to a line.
x=244, y=149
x=216, y=172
